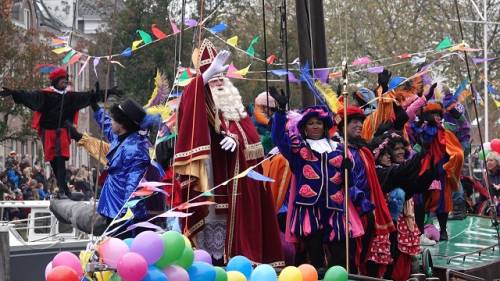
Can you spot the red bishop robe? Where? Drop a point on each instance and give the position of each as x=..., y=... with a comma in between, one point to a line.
x=252, y=227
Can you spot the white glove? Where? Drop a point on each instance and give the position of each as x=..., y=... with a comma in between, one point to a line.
x=228, y=143
x=217, y=66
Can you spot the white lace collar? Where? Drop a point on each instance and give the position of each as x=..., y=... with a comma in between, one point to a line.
x=322, y=145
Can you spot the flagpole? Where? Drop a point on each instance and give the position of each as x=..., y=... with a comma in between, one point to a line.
x=346, y=171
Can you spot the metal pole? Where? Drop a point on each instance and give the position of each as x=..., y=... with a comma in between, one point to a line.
x=4, y=253
x=346, y=171
x=485, y=47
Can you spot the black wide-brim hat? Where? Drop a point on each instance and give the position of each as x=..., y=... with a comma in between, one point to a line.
x=133, y=111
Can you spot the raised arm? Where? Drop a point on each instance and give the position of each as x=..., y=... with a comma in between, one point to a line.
x=33, y=100
x=104, y=122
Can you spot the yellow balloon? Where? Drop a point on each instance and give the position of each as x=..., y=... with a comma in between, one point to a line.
x=188, y=243
x=104, y=275
x=235, y=276
x=290, y=273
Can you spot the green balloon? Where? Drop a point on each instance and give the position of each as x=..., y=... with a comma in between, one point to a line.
x=220, y=274
x=482, y=156
x=336, y=273
x=187, y=258
x=174, y=245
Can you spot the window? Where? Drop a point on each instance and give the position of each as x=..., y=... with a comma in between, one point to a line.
x=27, y=18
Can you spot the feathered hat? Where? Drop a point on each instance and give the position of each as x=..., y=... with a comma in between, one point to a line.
x=318, y=111
x=57, y=74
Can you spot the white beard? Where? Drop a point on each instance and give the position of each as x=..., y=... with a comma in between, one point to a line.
x=227, y=100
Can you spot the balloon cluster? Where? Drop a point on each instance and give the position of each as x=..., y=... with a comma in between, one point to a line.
x=169, y=256
x=494, y=145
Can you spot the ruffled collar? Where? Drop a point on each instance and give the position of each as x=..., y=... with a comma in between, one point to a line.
x=322, y=145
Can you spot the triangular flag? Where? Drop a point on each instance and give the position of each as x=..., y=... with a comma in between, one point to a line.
x=404, y=56
x=62, y=50
x=152, y=184
x=336, y=74
x=144, y=224
x=271, y=59
x=96, y=62
x=233, y=41
x=145, y=36
x=375, y=69
x=131, y=203
x=184, y=75
x=259, y=177
x=244, y=71
x=191, y=22
x=117, y=62
x=57, y=41
x=250, y=49
x=128, y=215
x=292, y=78
x=444, y=44
x=218, y=28
x=185, y=206
x=136, y=44
x=68, y=56
x=157, y=32
x=75, y=58
x=127, y=52
x=207, y=193
x=361, y=61
x=175, y=29
x=232, y=72
x=173, y=214
x=497, y=103
x=279, y=72
x=83, y=66
x=183, y=83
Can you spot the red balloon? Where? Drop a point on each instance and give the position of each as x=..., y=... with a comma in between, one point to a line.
x=62, y=273
x=495, y=145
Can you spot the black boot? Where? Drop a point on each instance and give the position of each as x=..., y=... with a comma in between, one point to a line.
x=443, y=221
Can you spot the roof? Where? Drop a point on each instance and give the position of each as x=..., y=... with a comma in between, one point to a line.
x=45, y=18
x=92, y=8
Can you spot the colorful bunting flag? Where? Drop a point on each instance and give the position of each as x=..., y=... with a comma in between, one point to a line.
x=321, y=74
x=481, y=60
x=184, y=76
x=218, y=28
x=185, y=206
x=75, y=58
x=146, y=38
x=127, y=52
x=292, y=78
x=62, y=50
x=259, y=177
x=444, y=44
x=57, y=41
x=417, y=60
x=375, y=69
x=404, y=56
x=244, y=71
x=362, y=61
x=336, y=74
x=250, y=49
x=279, y=72
x=207, y=193
x=83, y=66
x=128, y=215
x=232, y=72
x=174, y=214
x=145, y=224
x=233, y=41
x=191, y=22
x=183, y=83
x=157, y=32
x=95, y=63
x=461, y=88
x=497, y=103
x=175, y=29
x=117, y=62
x=131, y=203
x=271, y=59
x=68, y=56
x=136, y=44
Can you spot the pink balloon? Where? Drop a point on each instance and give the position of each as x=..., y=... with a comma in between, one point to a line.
x=495, y=145
x=132, y=267
x=70, y=260
x=62, y=273
x=202, y=255
x=48, y=268
x=148, y=244
x=177, y=273
x=112, y=250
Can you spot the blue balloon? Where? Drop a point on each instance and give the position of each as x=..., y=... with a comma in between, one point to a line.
x=129, y=241
x=241, y=264
x=201, y=271
x=264, y=272
x=155, y=274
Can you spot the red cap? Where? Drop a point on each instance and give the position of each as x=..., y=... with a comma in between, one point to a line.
x=58, y=73
x=352, y=112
